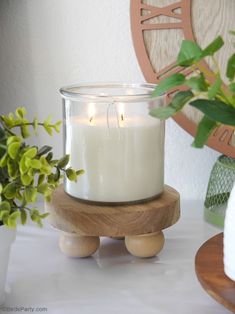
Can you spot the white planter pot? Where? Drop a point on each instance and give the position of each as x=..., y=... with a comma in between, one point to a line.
x=229, y=237
x=7, y=236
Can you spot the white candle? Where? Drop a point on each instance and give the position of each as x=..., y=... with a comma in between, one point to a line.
x=123, y=157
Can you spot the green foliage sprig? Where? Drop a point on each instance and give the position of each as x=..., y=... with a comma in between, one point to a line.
x=27, y=171
x=214, y=98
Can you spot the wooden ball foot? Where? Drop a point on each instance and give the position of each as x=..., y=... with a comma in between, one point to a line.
x=73, y=245
x=146, y=245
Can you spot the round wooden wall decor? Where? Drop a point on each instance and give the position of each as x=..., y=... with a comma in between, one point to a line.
x=159, y=26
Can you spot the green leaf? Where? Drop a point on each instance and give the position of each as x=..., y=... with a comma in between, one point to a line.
x=4, y=216
x=36, y=217
x=47, y=125
x=204, y=130
x=2, y=134
x=31, y=152
x=24, y=131
x=12, y=168
x=10, y=190
x=19, y=196
x=213, y=47
x=177, y=103
x=44, y=150
x=48, y=120
x=35, y=124
x=13, y=149
x=12, y=219
x=3, y=160
x=232, y=88
x=5, y=205
x=35, y=163
x=54, y=162
x=30, y=194
x=216, y=110
x=189, y=53
x=26, y=179
x=214, y=89
x=57, y=125
x=23, y=216
x=230, y=73
x=41, y=178
x=57, y=175
x=13, y=139
x=48, y=129
x=197, y=83
x=48, y=198
x=21, y=112
x=71, y=174
x=49, y=156
x=22, y=165
x=168, y=83
x=80, y=172
x=63, y=161
x=45, y=166
x=43, y=216
x=43, y=188
x=8, y=120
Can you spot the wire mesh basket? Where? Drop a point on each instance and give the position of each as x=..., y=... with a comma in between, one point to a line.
x=219, y=187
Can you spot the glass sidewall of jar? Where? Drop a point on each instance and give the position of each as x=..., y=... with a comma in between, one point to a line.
x=119, y=146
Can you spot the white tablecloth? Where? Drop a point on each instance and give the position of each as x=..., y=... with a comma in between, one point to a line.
x=112, y=281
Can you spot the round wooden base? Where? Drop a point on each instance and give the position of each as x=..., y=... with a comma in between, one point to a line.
x=210, y=272
x=140, y=224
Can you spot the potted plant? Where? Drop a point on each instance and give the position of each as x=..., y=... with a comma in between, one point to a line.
x=216, y=100
x=25, y=172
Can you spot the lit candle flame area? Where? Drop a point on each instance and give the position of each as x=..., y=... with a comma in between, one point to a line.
x=91, y=112
x=121, y=111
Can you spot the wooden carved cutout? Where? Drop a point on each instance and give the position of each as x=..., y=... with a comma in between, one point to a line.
x=178, y=16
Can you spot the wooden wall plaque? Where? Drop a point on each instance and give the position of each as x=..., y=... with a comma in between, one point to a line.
x=158, y=28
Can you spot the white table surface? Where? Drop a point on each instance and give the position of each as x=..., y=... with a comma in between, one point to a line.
x=112, y=281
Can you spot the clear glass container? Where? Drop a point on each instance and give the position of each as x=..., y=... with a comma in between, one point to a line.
x=109, y=133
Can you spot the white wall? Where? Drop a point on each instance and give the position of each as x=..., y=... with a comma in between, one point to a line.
x=50, y=43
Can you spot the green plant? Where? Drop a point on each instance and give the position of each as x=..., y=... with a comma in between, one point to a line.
x=215, y=100
x=26, y=171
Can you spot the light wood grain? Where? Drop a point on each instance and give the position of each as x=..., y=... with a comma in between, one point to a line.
x=147, y=245
x=209, y=19
x=73, y=245
x=70, y=215
x=210, y=272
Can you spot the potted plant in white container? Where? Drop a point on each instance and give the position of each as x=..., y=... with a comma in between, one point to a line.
x=216, y=100
x=25, y=172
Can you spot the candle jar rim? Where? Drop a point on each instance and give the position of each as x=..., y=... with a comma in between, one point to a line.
x=78, y=92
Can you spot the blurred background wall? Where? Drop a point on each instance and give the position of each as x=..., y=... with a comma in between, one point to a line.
x=47, y=44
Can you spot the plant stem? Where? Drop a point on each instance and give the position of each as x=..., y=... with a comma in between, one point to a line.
x=31, y=123
x=3, y=146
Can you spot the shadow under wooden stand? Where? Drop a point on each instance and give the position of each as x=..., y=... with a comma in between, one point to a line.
x=82, y=224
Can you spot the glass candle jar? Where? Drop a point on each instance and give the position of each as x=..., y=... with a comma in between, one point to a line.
x=109, y=133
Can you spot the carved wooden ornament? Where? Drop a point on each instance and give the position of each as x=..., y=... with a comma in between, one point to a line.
x=158, y=28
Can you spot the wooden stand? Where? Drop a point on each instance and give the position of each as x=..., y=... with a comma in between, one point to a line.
x=141, y=224
x=210, y=272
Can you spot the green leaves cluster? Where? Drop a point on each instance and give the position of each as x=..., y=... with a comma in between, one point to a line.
x=27, y=171
x=215, y=100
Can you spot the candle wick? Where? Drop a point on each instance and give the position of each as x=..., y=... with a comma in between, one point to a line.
x=91, y=118
x=122, y=117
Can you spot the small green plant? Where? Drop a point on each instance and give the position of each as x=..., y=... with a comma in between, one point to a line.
x=215, y=100
x=26, y=171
